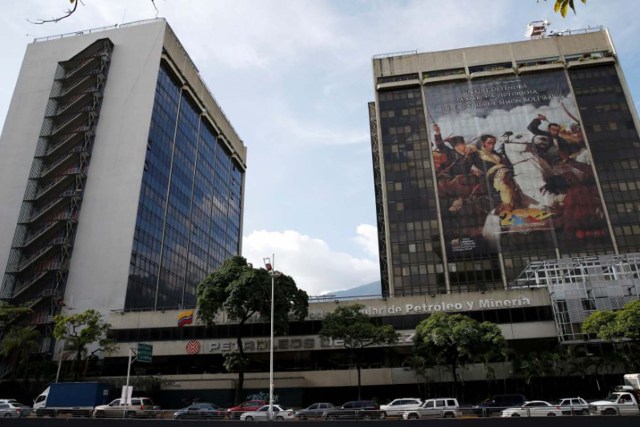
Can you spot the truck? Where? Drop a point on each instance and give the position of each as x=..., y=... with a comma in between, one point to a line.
x=74, y=398
x=616, y=403
x=632, y=385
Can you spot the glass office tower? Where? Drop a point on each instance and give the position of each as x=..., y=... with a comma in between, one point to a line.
x=489, y=158
x=134, y=176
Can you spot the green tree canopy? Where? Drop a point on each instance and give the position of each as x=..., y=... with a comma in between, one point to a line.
x=242, y=292
x=615, y=325
x=563, y=6
x=455, y=340
x=18, y=343
x=10, y=313
x=79, y=331
x=357, y=331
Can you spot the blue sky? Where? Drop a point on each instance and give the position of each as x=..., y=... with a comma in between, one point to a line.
x=294, y=78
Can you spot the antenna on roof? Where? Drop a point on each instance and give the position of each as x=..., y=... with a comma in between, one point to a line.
x=537, y=29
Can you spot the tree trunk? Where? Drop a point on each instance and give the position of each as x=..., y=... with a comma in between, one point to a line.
x=78, y=364
x=359, y=380
x=240, y=384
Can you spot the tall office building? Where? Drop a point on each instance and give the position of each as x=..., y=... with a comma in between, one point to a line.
x=121, y=178
x=492, y=158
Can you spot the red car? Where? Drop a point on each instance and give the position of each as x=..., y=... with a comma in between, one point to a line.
x=249, y=405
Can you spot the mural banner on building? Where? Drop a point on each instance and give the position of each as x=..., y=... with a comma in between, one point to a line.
x=510, y=157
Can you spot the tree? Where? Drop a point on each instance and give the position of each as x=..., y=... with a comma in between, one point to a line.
x=563, y=6
x=70, y=11
x=600, y=323
x=244, y=292
x=356, y=331
x=10, y=313
x=18, y=344
x=79, y=331
x=615, y=325
x=456, y=339
x=628, y=321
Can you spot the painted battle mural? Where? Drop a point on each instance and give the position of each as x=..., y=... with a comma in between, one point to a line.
x=510, y=157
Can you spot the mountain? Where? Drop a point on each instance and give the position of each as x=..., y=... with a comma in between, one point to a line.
x=372, y=289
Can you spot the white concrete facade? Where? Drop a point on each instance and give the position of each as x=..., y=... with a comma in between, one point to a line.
x=99, y=267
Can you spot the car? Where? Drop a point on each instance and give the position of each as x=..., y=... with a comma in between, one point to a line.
x=262, y=414
x=533, y=408
x=497, y=403
x=396, y=407
x=354, y=410
x=442, y=407
x=234, y=412
x=7, y=400
x=13, y=409
x=573, y=406
x=138, y=407
x=315, y=410
x=200, y=410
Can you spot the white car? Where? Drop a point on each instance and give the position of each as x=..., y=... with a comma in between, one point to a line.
x=262, y=414
x=533, y=408
x=574, y=406
x=396, y=407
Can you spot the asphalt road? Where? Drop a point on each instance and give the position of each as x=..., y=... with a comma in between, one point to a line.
x=584, y=421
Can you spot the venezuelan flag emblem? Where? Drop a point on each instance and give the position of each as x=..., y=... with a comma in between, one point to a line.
x=185, y=318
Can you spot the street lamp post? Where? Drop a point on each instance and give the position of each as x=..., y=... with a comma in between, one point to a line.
x=269, y=264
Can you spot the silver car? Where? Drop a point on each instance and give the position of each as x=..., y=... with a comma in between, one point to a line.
x=14, y=410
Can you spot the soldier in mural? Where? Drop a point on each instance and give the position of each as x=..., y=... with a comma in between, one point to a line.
x=536, y=177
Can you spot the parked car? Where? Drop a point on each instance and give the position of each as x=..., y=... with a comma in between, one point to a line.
x=396, y=407
x=14, y=409
x=497, y=404
x=315, y=410
x=249, y=405
x=574, y=406
x=200, y=410
x=443, y=407
x=534, y=408
x=354, y=410
x=138, y=407
x=7, y=400
x=262, y=414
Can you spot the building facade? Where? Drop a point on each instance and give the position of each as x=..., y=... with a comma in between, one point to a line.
x=134, y=177
x=489, y=158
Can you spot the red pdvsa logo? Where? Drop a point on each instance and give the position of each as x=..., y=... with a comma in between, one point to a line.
x=193, y=347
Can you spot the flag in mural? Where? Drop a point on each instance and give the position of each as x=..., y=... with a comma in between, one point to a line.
x=511, y=158
x=185, y=318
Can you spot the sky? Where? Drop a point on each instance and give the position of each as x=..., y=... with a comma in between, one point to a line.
x=294, y=78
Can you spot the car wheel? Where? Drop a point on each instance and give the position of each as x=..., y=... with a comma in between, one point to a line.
x=551, y=414
x=515, y=415
x=249, y=418
x=449, y=415
x=302, y=417
x=7, y=415
x=280, y=418
x=609, y=411
x=413, y=416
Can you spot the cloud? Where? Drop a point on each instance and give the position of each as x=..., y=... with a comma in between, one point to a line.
x=315, y=267
x=368, y=238
x=258, y=35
